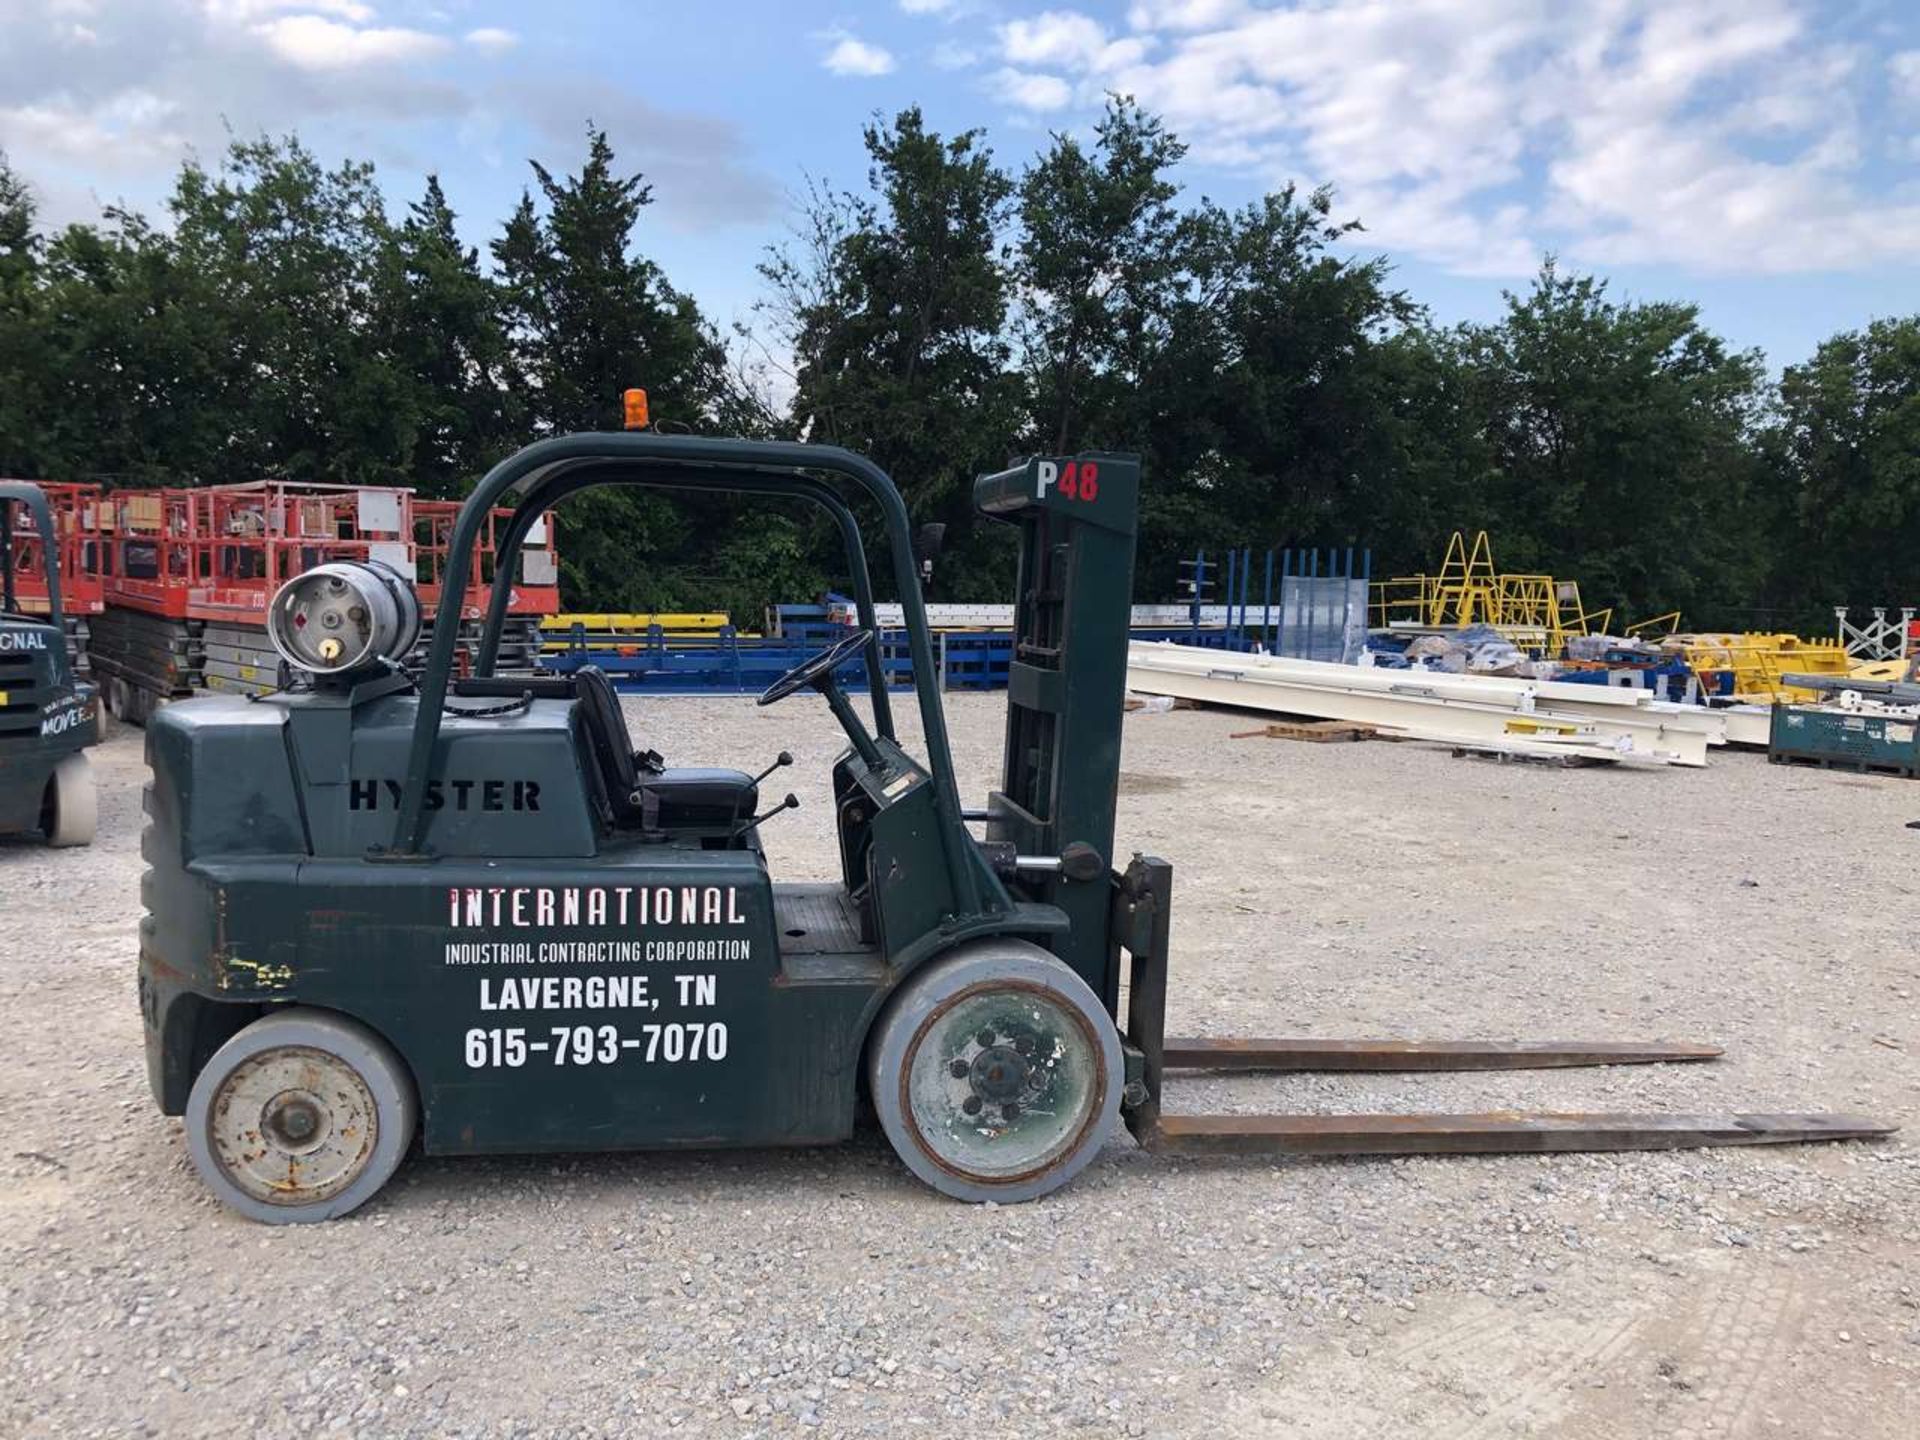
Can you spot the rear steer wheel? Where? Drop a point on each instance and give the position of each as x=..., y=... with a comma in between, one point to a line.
x=996, y=1073
x=300, y=1117
x=70, y=813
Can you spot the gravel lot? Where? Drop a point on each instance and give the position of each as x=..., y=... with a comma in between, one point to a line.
x=1321, y=889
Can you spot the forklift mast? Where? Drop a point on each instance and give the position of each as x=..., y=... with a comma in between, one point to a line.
x=1077, y=516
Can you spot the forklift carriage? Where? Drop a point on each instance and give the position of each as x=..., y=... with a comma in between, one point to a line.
x=479, y=910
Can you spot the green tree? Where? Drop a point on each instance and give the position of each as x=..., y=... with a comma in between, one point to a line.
x=439, y=323
x=138, y=382
x=20, y=362
x=1846, y=449
x=1265, y=390
x=1437, y=470
x=588, y=318
x=295, y=252
x=1098, y=263
x=591, y=316
x=1622, y=449
x=895, y=310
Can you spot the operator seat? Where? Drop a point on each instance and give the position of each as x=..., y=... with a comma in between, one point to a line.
x=638, y=791
x=642, y=791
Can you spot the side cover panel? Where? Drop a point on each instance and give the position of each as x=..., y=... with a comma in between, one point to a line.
x=557, y=1006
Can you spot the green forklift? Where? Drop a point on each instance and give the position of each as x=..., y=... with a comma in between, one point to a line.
x=48, y=715
x=481, y=913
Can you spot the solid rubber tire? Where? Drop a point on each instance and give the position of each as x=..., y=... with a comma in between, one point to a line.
x=940, y=980
x=74, y=803
x=385, y=1074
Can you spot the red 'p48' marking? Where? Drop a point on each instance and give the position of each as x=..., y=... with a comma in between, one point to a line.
x=1076, y=480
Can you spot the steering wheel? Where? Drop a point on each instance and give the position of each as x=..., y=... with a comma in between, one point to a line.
x=811, y=670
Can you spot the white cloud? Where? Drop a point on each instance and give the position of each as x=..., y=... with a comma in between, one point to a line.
x=315, y=43
x=1722, y=134
x=491, y=40
x=926, y=7
x=246, y=12
x=1067, y=38
x=949, y=56
x=110, y=120
x=1028, y=91
x=1903, y=70
x=135, y=129
x=853, y=56
x=1185, y=14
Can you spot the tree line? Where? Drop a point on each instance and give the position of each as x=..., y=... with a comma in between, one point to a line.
x=946, y=316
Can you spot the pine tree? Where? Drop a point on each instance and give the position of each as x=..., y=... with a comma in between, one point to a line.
x=445, y=333
x=591, y=316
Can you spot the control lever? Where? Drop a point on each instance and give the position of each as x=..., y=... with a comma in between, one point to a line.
x=792, y=802
x=785, y=757
x=1079, y=862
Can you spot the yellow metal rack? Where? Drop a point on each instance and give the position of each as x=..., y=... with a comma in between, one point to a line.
x=1755, y=664
x=1536, y=612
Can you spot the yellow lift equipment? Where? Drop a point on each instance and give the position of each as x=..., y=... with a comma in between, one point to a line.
x=1535, y=612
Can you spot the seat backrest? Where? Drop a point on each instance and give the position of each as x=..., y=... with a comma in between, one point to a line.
x=607, y=731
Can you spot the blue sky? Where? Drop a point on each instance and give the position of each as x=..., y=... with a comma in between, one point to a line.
x=1757, y=156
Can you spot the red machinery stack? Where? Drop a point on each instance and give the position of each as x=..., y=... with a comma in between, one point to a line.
x=188, y=575
x=81, y=522
x=537, y=594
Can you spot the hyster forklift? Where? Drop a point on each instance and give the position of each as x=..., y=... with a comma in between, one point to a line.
x=48, y=716
x=481, y=911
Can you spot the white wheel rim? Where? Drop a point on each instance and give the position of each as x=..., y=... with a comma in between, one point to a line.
x=1002, y=1082
x=292, y=1125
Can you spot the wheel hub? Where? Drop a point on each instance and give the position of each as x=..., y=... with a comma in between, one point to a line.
x=1002, y=1083
x=293, y=1125
x=295, y=1121
x=999, y=1074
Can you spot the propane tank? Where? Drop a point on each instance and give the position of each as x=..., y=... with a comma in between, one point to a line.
x=345, y=615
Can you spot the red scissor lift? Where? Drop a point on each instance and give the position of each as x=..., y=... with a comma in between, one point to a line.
x=79, y=519
x=189, y=574
x=536, y=595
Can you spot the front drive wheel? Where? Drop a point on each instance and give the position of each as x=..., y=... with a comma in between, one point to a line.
x=996, y=1073
x=300, y=1117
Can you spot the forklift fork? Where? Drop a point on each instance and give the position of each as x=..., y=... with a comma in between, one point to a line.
x=1142, y=926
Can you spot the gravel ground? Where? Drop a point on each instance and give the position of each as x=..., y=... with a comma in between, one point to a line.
x=1321, y=889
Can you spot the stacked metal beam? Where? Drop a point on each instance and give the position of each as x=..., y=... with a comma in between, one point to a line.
x=1531, y=717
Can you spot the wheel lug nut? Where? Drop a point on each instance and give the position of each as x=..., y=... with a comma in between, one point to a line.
x=1010, y=1112
x=985, y=1037
x=971, y=1104
x=959, y=1069
x=1023, y=1045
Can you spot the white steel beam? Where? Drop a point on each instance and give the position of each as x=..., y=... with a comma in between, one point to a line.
x=1449, y=708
